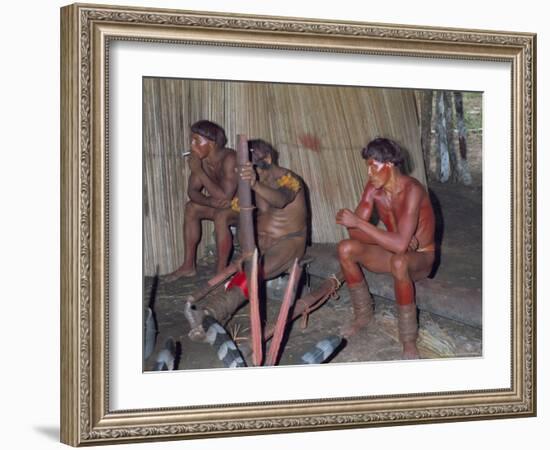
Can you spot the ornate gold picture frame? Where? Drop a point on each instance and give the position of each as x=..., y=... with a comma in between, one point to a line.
x=87, y=34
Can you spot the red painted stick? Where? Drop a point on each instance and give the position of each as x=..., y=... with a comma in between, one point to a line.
x=255, y=320
x=213, y=283
x=282, y=320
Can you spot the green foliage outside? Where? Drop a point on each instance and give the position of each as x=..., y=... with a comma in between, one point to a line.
x=473, y=110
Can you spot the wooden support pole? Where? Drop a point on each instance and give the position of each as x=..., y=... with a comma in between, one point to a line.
x=255, y=319
x=248, y=246
x=244, y=192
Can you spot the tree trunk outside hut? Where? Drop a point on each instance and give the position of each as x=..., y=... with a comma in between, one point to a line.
x=426, y=114
x=463, y=166
x=443, y=162
x=448, y=102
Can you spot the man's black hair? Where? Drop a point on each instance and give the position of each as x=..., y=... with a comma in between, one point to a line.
x=263, y=149
x=211, y=131
x=384, y=150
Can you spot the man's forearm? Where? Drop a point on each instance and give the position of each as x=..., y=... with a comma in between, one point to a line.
x=199, y=198
x=214, y=189
x=361, y=236
x=390, y=241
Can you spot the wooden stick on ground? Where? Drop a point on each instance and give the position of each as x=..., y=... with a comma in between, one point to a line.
x=212, y=283
x=311, y=300
x=282, y=320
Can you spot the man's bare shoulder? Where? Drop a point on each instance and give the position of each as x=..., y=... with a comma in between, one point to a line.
x=287, y=179
x=291, y=172
x=230, y=153
x=230, y=158
x=413, y=184
x=278, y=171
x=414, y=190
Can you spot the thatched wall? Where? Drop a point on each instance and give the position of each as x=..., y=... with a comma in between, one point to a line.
x=318, y=130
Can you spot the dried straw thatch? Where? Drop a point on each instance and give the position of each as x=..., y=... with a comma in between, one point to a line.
x=318, y=130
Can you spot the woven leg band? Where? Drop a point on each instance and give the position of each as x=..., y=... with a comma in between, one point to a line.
x=407, y=323
x=362, y=303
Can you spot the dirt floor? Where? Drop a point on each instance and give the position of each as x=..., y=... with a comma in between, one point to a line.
x=459, y=267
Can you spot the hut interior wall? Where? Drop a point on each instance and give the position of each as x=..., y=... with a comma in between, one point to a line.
x=319, y=132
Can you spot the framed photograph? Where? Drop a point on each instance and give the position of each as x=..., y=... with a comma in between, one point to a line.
x=158, y=109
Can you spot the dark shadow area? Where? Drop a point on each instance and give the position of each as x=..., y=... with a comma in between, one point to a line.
x=153, y=294
x=50, y=432
x=177, y=357
x=407, y=167
x=309, y=215
x=336, y=351
x=375, y=217
x=151, y=306
x=262, y=293
x=439, y=231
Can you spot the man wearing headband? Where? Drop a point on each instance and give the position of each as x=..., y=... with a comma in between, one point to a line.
x=406, y=248
x=281, y=227
x=211, y=186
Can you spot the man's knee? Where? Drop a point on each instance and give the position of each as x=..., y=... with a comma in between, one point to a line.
x=399, y=266
x=346, y=249
x=273, y=264
x=191, y=209
x=280, y=258
x=222, y=218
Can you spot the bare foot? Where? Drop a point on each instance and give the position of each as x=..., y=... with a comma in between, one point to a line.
x=355, y=326
x=179, y=273
x=410, y=351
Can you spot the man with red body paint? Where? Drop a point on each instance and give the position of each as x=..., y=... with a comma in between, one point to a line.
x=212, y=168
x=406, y=249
